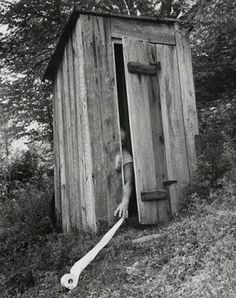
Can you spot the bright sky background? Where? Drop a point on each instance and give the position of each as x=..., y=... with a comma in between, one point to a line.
x=3, y=29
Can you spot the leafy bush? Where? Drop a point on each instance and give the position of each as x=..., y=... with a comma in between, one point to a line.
x=217, y=155
x=23, y=168
x=26, y=203
x=29, y=202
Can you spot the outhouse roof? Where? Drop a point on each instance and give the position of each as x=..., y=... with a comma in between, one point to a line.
x=58, y=52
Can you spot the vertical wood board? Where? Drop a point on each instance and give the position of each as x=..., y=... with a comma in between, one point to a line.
x=62, y=149
x=109, y=111
x=163, y=206
x=188, y=95
x=140, y=100
x=67, y=139
x=173, y=123
x=56, y=145
x=94, y=116
x=74, y=162
x=102, y=112
x=84, y=172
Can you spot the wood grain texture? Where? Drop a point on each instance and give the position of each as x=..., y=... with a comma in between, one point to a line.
x=102, y=113
x=94, y=116
x=188, y=95
x=62, y=154
x=163, y=207
x=162, y=112
x=142, y=69
x=154, y=195
x=74, y=162
x=143, y=108
x=67, y=139
x=84, y=171
x=173, y=123
x=56, y=145
x=109, y=112
x=56, y=57
x=158, y=33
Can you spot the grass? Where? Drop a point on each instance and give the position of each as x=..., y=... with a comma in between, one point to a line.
x=193, y=257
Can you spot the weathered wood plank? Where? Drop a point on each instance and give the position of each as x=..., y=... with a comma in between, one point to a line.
x=143, y=69
x=188, y=95
x=158, y=33
x=140, y=127
x=74, y=162
x=53, y=64
x=84, y=173
x=173, y=124
x=62, y=150
x=56, y=145
x=94, y=114
x=102, y=112
x=146, y=131
x=109, y=111
x=67, y=139
x=80, y=204
x=163, y=207
x=154, y=195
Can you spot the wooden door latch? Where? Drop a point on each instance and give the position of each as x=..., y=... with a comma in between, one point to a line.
x=169, y=182
x=144, y=68
x=154, y=195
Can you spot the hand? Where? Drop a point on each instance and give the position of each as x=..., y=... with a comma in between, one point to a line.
x=122, y=210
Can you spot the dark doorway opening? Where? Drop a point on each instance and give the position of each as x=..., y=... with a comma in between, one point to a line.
x=124, y=114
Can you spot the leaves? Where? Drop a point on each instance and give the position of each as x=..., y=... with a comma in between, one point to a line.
x=33, y=29
x=214, y=43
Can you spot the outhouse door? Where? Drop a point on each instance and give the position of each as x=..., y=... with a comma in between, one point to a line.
x=146, y=128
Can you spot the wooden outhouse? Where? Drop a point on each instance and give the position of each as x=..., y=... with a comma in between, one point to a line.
x=114, y=71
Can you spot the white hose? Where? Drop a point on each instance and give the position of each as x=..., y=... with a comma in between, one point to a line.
x=70, y=280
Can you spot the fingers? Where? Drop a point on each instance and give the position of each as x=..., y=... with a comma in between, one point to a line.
x=122, y=212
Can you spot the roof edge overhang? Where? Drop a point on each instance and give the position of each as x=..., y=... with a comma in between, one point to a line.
x=58, y=52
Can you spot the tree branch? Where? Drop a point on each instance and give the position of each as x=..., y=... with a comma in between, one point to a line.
x=127, y=7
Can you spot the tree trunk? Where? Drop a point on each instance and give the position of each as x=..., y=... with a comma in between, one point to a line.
x=166, y=6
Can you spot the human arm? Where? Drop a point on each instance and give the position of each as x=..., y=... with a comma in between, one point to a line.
x=122, y=209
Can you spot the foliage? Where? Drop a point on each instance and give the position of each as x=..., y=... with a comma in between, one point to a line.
x=29, y=107
x=23, y=168
x=29, y=202
x=213, y=46
x=33, y=28
x=216, y=152
x=26, y=191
